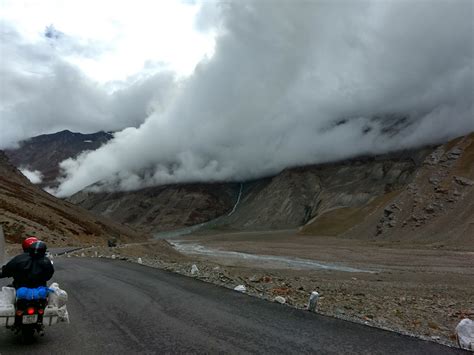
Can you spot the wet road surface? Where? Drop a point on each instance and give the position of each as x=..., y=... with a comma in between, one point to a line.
x=117, y=307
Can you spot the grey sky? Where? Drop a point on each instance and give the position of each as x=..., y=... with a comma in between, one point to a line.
x=290, y=83
x=41, y=92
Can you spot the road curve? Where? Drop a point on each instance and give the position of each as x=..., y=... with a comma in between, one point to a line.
x=118, y=307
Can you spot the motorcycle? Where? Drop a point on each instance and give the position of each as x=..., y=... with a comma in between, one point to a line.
x=29, y=312
x=29, y=317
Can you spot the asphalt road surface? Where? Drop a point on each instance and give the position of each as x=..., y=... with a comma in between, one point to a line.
x=118, y=307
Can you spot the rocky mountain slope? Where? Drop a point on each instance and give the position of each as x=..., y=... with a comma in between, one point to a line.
x=163, y=207
x=436, y=207
x=44, y=153
x=288, y=200
x=425, y=195
x=26, y=209
x=412, y=194
x=295, y=196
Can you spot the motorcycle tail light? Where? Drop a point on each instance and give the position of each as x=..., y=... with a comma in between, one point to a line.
x=30, y=311
x=19, y=313
x=40, y=311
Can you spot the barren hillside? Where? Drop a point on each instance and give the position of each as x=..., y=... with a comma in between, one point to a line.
x=44, y=153
x=163, y=207
x=288, y=200
x=423, y=196
x=436, y=207
x=25, y=208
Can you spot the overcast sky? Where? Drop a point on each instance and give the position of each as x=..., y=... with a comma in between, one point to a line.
x=234, y=90
x=92, y=65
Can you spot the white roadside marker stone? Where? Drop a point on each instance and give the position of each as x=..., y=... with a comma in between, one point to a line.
x=313, y=301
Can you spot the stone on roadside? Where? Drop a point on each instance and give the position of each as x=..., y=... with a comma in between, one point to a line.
x=140, y=261
x=313, y=301
x=280, y=299
x=465, y=334
x=194, y=270
x=240, y=288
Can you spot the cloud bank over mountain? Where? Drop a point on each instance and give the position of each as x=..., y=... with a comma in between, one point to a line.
x=291, y=85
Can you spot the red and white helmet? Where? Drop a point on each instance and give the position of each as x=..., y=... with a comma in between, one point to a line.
x=27, y=243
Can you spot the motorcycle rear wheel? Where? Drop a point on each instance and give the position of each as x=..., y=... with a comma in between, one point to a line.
x=27, y=334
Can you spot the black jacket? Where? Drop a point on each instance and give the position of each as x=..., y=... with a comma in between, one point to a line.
x=28, y=271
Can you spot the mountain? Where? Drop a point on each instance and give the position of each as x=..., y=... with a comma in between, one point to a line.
x=44, y=153
x=296, y=196
x=26, y=209
x=288, y=200
x=424, y=195
x=436, y=207
x=162, y=207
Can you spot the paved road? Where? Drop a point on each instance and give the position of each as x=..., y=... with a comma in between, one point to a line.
x=61, y=251
x=124, y=308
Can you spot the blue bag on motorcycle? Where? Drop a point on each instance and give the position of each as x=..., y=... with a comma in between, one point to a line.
x=40, y=293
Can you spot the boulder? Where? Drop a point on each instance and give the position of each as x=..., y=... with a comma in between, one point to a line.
x=313, y=301
x=280, y=299
x=240, y=288
x=194, y=270
x=465, y=334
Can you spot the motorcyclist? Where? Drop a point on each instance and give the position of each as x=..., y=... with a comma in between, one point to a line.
x=31, y=269
x=23, y=257
x=27, y=243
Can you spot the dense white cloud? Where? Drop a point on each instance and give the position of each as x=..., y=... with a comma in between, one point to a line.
x=34, y=176
x=121, y=33
x=89, y=66
x=42, y=93
x=289, y=83
x=298, y=83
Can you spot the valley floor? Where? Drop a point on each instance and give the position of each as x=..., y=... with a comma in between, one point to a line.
x=410, y=288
